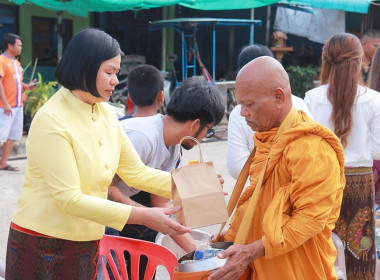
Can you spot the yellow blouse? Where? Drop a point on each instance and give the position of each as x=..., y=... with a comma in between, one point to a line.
x=74, y=149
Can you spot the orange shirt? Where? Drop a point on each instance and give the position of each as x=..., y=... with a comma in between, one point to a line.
x=11, y=73
x=299, y=202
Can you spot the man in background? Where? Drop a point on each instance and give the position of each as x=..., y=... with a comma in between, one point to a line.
x=370, y=42
x=11, y=97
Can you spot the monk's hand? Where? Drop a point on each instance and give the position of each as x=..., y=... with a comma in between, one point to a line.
x=238, y=258
x=158, y=219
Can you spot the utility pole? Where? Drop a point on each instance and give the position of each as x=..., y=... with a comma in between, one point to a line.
x=59, y=30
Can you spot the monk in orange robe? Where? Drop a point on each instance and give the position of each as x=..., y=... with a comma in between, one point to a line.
x=289, y=236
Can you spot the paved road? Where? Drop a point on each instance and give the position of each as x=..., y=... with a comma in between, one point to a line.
x=11, y=184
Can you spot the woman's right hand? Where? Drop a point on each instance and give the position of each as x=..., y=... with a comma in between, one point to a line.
x=158, y=219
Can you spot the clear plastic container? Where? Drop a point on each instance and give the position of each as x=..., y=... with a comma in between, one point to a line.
x=204, y=265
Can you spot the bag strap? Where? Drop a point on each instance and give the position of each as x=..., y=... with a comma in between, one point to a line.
x=242, y=233
x=180, y=146
x=238, y=188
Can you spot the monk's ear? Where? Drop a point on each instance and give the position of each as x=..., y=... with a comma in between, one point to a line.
x=279, y=96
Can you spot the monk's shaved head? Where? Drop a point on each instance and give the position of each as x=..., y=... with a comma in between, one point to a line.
x=265, y=72
x=263, y=89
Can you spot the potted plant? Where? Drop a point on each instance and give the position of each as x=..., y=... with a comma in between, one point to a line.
x=302, y=78
x=37, y=97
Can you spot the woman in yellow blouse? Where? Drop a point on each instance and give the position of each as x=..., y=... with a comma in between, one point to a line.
x=75, y=146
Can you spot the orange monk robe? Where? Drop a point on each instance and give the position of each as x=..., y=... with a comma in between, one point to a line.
x=299, y=202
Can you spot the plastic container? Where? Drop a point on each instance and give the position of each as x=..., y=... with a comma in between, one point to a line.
x=206, y=253
x=204, y=265
x=200, y=237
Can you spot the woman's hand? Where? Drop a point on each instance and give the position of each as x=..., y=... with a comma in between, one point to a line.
x=157, y=219
x=221, y=180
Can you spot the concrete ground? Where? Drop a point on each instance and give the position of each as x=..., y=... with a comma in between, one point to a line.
x=11, y=184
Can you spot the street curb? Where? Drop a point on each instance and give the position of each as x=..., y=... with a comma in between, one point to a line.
x=17, y=157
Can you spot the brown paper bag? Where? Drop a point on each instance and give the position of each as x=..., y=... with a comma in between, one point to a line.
x=197, y=189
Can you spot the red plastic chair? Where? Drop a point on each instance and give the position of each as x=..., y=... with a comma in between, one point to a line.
x=156, y=254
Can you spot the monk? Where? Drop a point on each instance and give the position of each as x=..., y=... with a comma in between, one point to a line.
x=289, y=230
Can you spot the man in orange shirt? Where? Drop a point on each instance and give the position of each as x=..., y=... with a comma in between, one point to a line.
x=11, y=89
x=283, y=221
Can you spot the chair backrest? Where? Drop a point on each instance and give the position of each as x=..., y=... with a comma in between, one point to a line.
x=155, y=253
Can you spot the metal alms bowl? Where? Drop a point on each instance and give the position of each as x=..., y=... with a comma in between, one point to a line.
x=208, y=264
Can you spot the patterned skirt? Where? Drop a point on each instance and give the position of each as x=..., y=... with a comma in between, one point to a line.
x=356, y=224
x=42, y=258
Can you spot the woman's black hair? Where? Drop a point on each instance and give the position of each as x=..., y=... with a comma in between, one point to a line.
x=84, y=54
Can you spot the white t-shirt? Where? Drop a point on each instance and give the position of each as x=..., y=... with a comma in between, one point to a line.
x=146, y=135
x=240, y=137
x=363, y=142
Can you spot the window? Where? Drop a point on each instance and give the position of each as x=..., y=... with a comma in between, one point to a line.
x=8, y=20
x=45, y=39
x=373, y=17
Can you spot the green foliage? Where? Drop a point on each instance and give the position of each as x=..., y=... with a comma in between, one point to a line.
x=33, y=71
x=302, y=78
x=38, y=96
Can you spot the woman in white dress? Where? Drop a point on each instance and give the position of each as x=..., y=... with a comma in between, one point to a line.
x=352, y=111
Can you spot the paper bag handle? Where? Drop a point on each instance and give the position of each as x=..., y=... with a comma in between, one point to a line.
x=198, y=144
